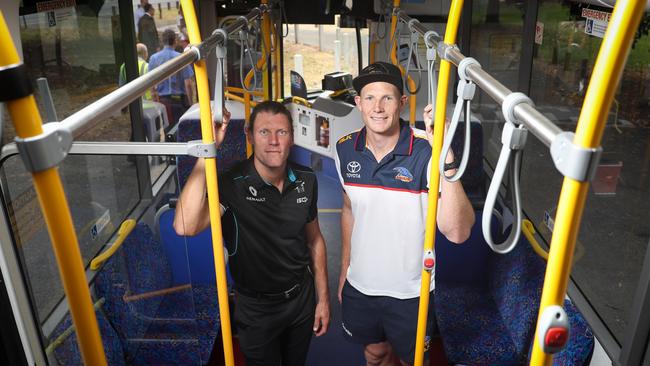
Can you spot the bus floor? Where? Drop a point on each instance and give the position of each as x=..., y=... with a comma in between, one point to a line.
x=331, y=348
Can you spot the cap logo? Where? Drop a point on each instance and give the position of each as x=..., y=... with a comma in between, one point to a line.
x=376, y=69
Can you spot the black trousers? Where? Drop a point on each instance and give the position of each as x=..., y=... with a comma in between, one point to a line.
x=176, y=105
x=275, y=332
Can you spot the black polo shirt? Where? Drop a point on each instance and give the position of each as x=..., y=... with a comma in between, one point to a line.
x=265, y=228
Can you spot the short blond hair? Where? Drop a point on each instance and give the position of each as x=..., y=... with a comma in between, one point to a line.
x=141, y=48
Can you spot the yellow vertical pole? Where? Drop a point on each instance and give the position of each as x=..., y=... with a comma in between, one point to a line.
x=589, y=131
x=277, y=35
x=266, y=35
x=451, y=32
x=412, y=102
x=247, y=116
x=203, y=88
x=47, y=183
x=393, y=34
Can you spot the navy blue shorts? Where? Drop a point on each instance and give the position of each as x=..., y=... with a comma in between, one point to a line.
x=373, y=319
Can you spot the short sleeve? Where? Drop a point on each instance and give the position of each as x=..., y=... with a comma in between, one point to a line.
x=153, y=63
x=337, y=163
x=427, y=176
x=427, y=173
x=224, y=190
x=188, y=72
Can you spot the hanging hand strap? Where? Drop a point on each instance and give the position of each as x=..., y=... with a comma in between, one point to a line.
x=465, y=92
x=413, y=46
x=432, y=84
x=219, y=81
x=513, y=139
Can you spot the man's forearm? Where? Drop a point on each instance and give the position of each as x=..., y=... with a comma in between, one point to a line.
x=347, y=221
x=319, y=260
x=455, y=212
x=345, y=254
x=318, y=253
x=192, y=208
x=189, y=91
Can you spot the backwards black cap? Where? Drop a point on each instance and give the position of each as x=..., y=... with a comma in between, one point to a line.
x=379, y=71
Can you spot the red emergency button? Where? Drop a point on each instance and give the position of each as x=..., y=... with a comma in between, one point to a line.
x=556, y=337
x=429, y=263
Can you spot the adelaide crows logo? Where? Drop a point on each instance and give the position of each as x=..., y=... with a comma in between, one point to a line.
x=403, y=174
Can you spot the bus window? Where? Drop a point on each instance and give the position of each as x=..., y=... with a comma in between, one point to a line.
x=496, y=33
x=78, y=49
x=614, y=233
x=321, y=49
x=74, y=48
x=101, y=191
x=566, y=39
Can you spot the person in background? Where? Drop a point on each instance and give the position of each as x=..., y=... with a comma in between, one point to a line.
x=180, y=21
x=177, y=91
x=139, y=12
x=183, y=41
x=147, y=31
x=143, y=67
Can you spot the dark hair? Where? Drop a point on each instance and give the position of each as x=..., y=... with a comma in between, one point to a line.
x=147, y=7
x=273, y=107
x=169, y=37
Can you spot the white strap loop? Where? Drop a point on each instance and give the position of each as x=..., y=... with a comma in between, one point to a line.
x=432, y=81
x=465, y=91
x=513, y=139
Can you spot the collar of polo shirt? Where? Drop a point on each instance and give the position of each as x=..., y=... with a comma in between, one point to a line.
x=404, y=143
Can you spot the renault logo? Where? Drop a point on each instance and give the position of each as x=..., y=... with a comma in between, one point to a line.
x=354, y=167
x=252, y=190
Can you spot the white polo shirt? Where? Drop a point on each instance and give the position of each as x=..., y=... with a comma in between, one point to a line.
x=389, y=205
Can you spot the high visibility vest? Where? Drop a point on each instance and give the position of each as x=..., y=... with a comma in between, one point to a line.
x=143, y=68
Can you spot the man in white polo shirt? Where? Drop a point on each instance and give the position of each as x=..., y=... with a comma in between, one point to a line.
x=384, y=172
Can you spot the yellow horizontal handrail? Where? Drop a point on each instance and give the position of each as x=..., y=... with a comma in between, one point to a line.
x=66, y=333
x=234, y=89
x=122, y=233
x=238, y=98
x=303, y=101
x=529, y=231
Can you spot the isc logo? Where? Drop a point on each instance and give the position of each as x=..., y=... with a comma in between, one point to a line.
x=301, y=200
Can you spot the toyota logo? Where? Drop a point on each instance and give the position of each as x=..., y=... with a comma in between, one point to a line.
x=354, y=167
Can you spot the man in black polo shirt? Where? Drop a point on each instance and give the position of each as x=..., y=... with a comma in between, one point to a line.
x=277, y=249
